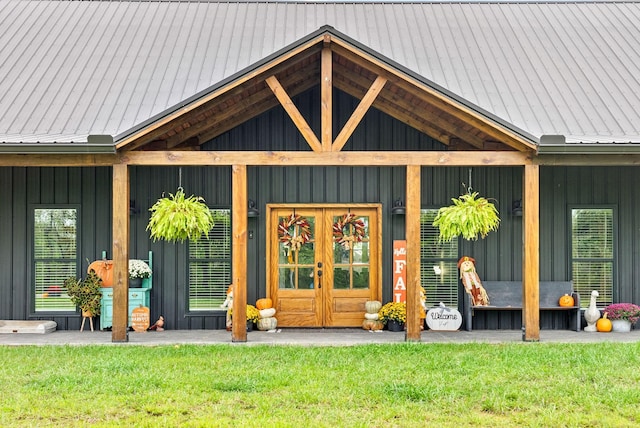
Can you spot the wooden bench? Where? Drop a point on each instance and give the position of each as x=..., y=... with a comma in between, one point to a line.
x=507, y=296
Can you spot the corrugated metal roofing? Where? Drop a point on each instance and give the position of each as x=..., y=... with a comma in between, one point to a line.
x=69, y=69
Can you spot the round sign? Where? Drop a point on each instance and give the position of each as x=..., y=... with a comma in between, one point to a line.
x=443, y=318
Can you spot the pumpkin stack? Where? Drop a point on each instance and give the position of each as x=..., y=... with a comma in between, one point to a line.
x=267, y=320
x=371, y=321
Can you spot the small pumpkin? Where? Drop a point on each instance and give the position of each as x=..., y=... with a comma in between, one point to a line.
x=372, y=306
x=104, y=270
x=566, y=301
x=371, y=316
x=265, y=324
x=372, y=324
x=604, y=324
x=264, y=303
x=267, y=313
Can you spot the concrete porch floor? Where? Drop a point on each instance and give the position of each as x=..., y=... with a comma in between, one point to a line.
x=305, y=337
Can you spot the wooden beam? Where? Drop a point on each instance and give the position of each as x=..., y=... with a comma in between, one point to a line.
x=412, y=234
x=432, y=96
x=326, y=99
x=358, y=113
x=344, y=158
x=153, y=131
x=239, y=252
x=398, y=108
x=120, y=253
x=531, y=256
x=294, y=114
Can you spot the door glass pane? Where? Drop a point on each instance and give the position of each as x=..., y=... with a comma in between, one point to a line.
x=361, y=277
x=340, y=278
x=350, y=252
x=296, y=256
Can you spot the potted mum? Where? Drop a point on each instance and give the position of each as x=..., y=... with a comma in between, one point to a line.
x=394, y=315
x=138, y=270
x=622, y=315
x=253, y=315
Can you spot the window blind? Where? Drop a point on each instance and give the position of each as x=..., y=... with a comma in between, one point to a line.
x=210, y=265
x=438, y=263
x=592, y=244
x=55, y=257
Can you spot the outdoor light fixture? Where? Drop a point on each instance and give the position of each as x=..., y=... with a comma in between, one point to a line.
x=516, y=208
x=398, y=207
x=133, y=210
x=253, y=211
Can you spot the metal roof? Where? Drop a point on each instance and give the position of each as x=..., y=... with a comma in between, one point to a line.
x=69, y=69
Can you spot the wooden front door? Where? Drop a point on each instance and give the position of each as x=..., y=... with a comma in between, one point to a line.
x=324, y=263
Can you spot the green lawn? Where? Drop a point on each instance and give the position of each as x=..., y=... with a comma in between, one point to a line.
x=397, y=385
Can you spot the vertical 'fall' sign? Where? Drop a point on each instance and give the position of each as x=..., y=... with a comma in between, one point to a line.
x=399, y=271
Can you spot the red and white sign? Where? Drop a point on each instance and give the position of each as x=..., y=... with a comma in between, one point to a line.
x=400, y=271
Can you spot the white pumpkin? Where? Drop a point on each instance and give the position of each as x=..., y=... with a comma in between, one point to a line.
x=372, y=306
x=267, y=313
x=265, y=324
x=371, y=316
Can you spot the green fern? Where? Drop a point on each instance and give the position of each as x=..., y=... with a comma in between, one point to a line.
x=178, y=218
x=470, y=216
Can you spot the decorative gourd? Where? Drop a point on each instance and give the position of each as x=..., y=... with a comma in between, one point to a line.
x=267, y=324
x=372, y=306
x=604, y=324
x=566, y=301
x=371, y=316
x=104, y=270
x=372, y=325
x=264, y=303
x=267, y=313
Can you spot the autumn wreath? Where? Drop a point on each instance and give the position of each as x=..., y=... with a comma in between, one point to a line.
x=288, y=235
x=348, y=223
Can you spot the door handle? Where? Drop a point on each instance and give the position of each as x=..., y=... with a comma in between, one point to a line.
x=319, y=277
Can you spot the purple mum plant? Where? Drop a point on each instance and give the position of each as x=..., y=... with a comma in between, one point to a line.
x=623, y=311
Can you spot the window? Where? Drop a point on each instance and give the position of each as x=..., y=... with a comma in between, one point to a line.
x=55, y=257
x=592, y=244
x=210, y=265
x=438, y=263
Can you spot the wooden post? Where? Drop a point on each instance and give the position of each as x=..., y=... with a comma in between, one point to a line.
x=120, y=253
x=531, y=254
x=239, y=252
x=326, y=97
x=412, y=227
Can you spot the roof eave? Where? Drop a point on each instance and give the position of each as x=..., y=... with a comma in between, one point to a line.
x=95, y=144
x=556, y=144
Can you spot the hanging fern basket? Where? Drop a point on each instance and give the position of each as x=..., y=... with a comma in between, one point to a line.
x=471, y=216
x=177, y=218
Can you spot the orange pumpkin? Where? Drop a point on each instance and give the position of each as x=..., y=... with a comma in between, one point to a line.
x=104, y=270
x=264, y=304
x=566, y=300
x=604, y=324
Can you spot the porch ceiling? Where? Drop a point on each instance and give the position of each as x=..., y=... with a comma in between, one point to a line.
x=353, y=71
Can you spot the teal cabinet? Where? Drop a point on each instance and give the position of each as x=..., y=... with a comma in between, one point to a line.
x=137, y=297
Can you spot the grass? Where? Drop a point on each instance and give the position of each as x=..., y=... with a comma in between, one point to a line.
x=397, y=385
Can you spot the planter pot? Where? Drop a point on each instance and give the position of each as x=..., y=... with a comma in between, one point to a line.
x=621, y=326
x=393, y=325
x=249, y=325
x=135, y=282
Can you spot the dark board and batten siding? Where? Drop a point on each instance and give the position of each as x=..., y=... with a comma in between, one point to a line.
x=499, y=257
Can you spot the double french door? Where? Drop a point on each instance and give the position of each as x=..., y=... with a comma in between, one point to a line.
x=324, y=263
